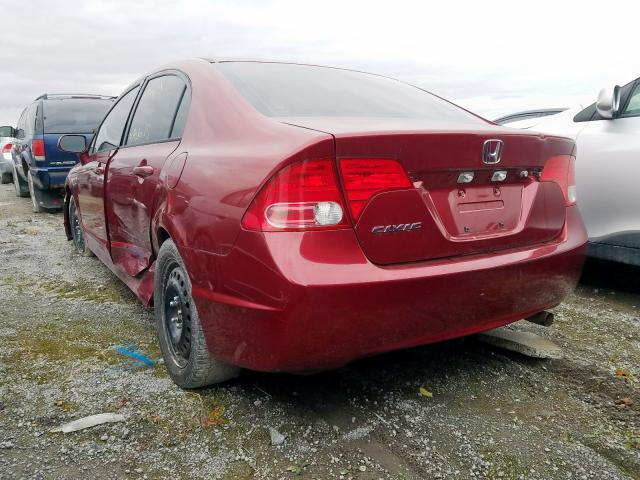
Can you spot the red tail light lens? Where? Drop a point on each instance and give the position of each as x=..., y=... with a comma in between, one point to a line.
x=363, y=178
x=37, y=148
x=302, y=196
x=7, y=148
x=561, y=170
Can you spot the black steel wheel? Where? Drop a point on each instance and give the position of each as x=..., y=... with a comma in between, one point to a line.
x=178, y=326
x=77, y=235
x=177, y=315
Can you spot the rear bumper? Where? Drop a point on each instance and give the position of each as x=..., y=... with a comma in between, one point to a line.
x=312, y=301
x=49, y=178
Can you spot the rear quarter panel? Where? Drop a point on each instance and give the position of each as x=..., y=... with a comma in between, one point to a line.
x=231, y=152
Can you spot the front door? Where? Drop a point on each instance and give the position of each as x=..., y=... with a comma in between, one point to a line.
x=133, y=173
x=607, y=168
x=92, y=175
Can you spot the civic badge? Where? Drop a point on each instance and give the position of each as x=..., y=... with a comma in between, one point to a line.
x=492, y=151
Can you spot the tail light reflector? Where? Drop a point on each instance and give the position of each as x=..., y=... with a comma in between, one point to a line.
x=561, y=170
x=364, y=178
x=37, y=149
x=301, y=196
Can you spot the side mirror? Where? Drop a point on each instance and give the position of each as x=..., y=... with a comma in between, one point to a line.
x=608, y=102
x=72, y=143
x=7, y=131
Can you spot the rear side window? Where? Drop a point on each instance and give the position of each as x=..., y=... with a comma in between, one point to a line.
x=288, y=90
x=112, y=128
x=73, y=115
x=156, y=112
x=181, y=116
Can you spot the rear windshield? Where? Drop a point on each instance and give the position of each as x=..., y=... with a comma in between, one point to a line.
x=74, y=115
x=288, y=90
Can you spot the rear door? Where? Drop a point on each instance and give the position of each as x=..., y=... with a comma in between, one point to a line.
x=133, y=173
x=91, y=175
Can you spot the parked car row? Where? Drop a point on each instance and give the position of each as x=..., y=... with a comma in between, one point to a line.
x=289, y=217
x=607, y=134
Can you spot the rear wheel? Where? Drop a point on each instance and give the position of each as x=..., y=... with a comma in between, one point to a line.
x=5, y=177
x=36, y=196
x=22, y=190
x=178, y=326
x=77, y=235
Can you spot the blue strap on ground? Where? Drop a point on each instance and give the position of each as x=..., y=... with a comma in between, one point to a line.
x=133, y=352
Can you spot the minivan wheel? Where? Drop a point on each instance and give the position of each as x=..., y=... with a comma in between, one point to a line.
x=77, y=235
x=22, y=190
x=35, y=194
x=178, y=326
x=5, y=177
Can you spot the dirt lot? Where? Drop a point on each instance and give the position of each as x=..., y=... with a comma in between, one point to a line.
x=492, y=414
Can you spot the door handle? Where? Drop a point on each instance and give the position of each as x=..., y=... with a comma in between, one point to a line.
x=143, y=170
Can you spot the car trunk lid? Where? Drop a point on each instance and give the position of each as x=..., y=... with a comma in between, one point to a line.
x=437, y=216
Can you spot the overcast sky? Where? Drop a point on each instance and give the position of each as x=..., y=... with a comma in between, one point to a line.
x=490, y=57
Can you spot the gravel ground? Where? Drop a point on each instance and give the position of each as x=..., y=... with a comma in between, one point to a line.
x=492, y=414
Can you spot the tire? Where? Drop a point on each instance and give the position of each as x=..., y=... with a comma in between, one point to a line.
x=178, y=326
x=22, y=190
x=76, y=231
x=35, y=195
x=6, y=177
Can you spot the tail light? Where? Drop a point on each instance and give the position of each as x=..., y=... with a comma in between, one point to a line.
x=363, y=178
x=302, y=196
x=6, y=151
x=37, y=149
x=561, y=170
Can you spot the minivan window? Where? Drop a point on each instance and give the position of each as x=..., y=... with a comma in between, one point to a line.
x=112, y=128
x=73, y=115
x=290, y=90
x=156, y=111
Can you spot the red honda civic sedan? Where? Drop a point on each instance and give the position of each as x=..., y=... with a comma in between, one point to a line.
x=288, y=217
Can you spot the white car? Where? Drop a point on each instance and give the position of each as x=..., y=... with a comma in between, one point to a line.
x=6, y=163
x=607, y=134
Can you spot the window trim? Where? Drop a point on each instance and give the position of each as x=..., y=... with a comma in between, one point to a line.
x=91, y=150
x=636, y=86
x=161, y=73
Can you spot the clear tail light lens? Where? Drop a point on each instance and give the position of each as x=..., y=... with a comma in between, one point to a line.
x=302, y=196
x=561, y=170
x=364, y=178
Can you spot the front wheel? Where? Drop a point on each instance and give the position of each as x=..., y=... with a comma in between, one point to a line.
x=178, y=326
x=77, y=235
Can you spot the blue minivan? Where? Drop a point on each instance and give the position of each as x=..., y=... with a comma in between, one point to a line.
x=39, y=166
